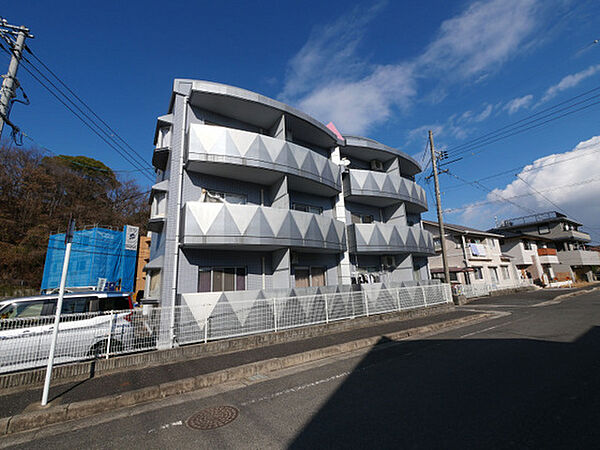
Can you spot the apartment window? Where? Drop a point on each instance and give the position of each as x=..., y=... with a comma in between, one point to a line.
x=309, y=276
x=220, y=279
x=505, y=272
x=543, y=229
x=478, y=273
x=227, y=197
x=527, y=245
x=362, y=218
x=307, y=208
x=494, y=274
x=164, y=137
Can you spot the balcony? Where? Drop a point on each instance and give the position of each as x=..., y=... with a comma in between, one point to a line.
x=383, y=189
x=575, y=235
x=547, y=255
x=579, y=258
x=253, y=157
x=385, y=238
x=250, y=226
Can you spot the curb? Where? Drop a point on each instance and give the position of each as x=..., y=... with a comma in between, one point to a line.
x=77, y=410
x=561, y=297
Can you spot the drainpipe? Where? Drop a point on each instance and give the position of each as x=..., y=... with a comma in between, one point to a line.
x=178, y=223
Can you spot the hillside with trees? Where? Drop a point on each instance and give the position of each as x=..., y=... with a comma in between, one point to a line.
x=38, y=194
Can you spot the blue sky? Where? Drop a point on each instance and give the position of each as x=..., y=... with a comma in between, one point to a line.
x=386, y=70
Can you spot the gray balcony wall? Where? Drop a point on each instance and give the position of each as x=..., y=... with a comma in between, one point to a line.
x=579, y=258
x=214, y=145
x=389, y=239
x=220, y=224
x=381, y=186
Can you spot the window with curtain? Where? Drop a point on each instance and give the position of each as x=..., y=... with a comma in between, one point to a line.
x=221, y=279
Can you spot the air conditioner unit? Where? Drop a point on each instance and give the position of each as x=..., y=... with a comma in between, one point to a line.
x=376, y=165
x=294, y=258
x=388, y=261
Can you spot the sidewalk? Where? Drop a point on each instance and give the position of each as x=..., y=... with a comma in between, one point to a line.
x=122, y=382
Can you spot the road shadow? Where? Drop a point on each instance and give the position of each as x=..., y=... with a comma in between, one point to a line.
x=491, y=393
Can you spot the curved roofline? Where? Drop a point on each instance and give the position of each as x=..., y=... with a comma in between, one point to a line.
x=359, y=141
x=215, y=88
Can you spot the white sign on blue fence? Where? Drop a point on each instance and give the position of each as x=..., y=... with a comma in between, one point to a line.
x=131, y=237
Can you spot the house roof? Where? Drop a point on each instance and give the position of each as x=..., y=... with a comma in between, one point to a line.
x=462, y=229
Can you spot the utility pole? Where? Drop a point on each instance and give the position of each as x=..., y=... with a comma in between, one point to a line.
x=10, y=83
x=438, y=201
x=61, y=293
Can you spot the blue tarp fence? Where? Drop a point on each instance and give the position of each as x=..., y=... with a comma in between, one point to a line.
x=95, y=253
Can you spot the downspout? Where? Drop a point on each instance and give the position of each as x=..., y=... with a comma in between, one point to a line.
x=178, y=222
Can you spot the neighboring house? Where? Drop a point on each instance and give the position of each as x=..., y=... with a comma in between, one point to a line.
x=254, y=198
x=143, y=258
x=474, y=256
x=100, y=258
x=560, y=237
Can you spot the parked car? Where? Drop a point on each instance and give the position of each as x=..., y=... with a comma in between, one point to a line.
x=86, y=330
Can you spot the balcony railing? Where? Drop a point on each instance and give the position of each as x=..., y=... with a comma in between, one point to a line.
x=267, y=157
x=385, y=238
x=229, y=225
x=546, y=251
x=383, y=188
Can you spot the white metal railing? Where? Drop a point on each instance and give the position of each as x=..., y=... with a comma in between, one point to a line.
x=25, y=342
x=483, y=289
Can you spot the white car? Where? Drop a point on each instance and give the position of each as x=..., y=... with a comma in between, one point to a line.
x=86, y=330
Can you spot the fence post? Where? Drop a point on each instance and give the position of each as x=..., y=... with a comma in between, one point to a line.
x=424, y=297
x=206, y=329
x=275, y=313
x=364, y=293
x=326, y=310
x=110, y=329
x=398, y=299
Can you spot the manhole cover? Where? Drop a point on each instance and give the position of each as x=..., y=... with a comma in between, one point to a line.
x=214, y=417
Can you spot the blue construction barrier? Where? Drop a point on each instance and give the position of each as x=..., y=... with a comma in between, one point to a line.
x=95, y=253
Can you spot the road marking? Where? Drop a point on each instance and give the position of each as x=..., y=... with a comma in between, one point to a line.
x=166, y=426
x=482, y=331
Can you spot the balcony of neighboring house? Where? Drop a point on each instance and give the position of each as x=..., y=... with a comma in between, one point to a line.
x=254, y=157
x=223, y=225
x=386, y=238
x=547, y=255
x=383, y=189
x=162, y=142
x=579, y=257
x=480, y=252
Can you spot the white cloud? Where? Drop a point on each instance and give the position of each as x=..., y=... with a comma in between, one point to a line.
x=570, y=180
x=328, y=80
x=570, y=81
x=484, y=114
x=518, y=103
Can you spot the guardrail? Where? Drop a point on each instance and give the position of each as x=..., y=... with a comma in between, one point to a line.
x=25, y=342
x=483, y=289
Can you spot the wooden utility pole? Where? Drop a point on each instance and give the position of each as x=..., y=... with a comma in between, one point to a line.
x=438, y=202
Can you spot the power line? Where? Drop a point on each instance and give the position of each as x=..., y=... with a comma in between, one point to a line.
x=122, y=152
x=522, y=130
x=480, y=186
x=532, y=169
x=510, y=125
x=80, y=100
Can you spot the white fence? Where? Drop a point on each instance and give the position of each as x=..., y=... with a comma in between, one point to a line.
x=25, y=342
x=483, y=289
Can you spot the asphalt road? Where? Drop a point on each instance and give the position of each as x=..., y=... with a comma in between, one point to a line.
x=528, y=379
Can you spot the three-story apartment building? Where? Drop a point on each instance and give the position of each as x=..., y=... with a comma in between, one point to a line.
x=474, y=256
x=254, y=198
x=561, y=246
